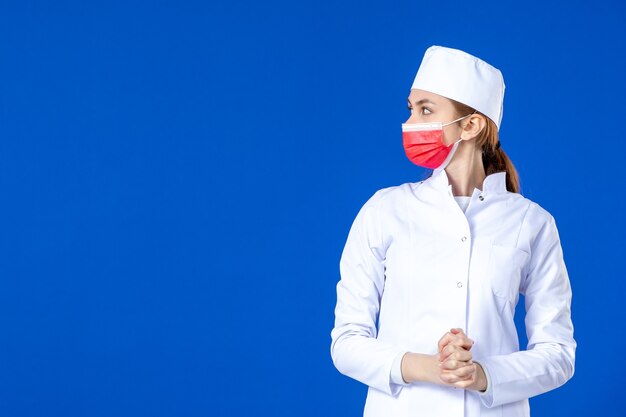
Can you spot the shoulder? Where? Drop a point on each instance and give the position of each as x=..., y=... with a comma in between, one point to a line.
x=535, y=213
x=386, y=203
x=538, y=227
x=391, y=196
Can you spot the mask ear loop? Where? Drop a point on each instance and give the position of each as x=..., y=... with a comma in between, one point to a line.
x=445, y=163
x=454, y=121
x=460, y=118
x=454, y=145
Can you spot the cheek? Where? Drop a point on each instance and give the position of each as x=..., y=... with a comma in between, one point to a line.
x=451, y=135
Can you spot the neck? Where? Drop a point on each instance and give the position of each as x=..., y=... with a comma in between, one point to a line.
x=465, y=171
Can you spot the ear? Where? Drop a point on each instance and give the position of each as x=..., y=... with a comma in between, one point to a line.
x=473, y=126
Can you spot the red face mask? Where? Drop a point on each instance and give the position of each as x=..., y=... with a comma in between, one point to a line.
x=423, y=144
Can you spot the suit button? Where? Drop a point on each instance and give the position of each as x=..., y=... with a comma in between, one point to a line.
x=459, y=284
x=481, y=198
x=464, y=238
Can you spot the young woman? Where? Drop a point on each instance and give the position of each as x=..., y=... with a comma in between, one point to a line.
x=431, y=271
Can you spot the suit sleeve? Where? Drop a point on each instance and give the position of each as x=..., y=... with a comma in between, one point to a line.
x=355, y=350
x=548, y=361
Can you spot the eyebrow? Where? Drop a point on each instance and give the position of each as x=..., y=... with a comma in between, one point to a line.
x=422, y=101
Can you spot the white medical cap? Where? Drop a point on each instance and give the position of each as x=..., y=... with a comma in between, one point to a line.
x=462, y=77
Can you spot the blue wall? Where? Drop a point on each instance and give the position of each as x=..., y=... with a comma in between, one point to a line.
x=177, y=180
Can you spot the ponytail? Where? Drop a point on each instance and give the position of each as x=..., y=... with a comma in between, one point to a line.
x=494, y=158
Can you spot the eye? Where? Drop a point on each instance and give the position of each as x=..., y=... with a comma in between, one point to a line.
x=426, y=111
x=410, y=108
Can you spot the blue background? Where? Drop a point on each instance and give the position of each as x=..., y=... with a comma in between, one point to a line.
x=178, y=178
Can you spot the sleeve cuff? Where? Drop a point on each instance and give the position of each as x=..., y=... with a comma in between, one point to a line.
x=396, y=370
x=486, y=397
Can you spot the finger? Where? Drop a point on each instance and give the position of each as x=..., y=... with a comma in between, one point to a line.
x=461, y=373
x=459, y=339
x=451, y=348
x=452, y=364
x=452, y=379
x=456, y=352
x=461, y=355
x=445, y=339
x=465, y=383
x=448, y=336
x=456, y=360
x=462, y=341
x=445, y=352
x=448, y=350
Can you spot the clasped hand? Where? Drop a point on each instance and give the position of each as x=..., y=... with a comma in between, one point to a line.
x=456, y=367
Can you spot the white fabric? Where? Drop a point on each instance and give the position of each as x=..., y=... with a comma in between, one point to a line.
x=462, y=77
x=463, y=202
x=396, y=370
x=419, y=266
